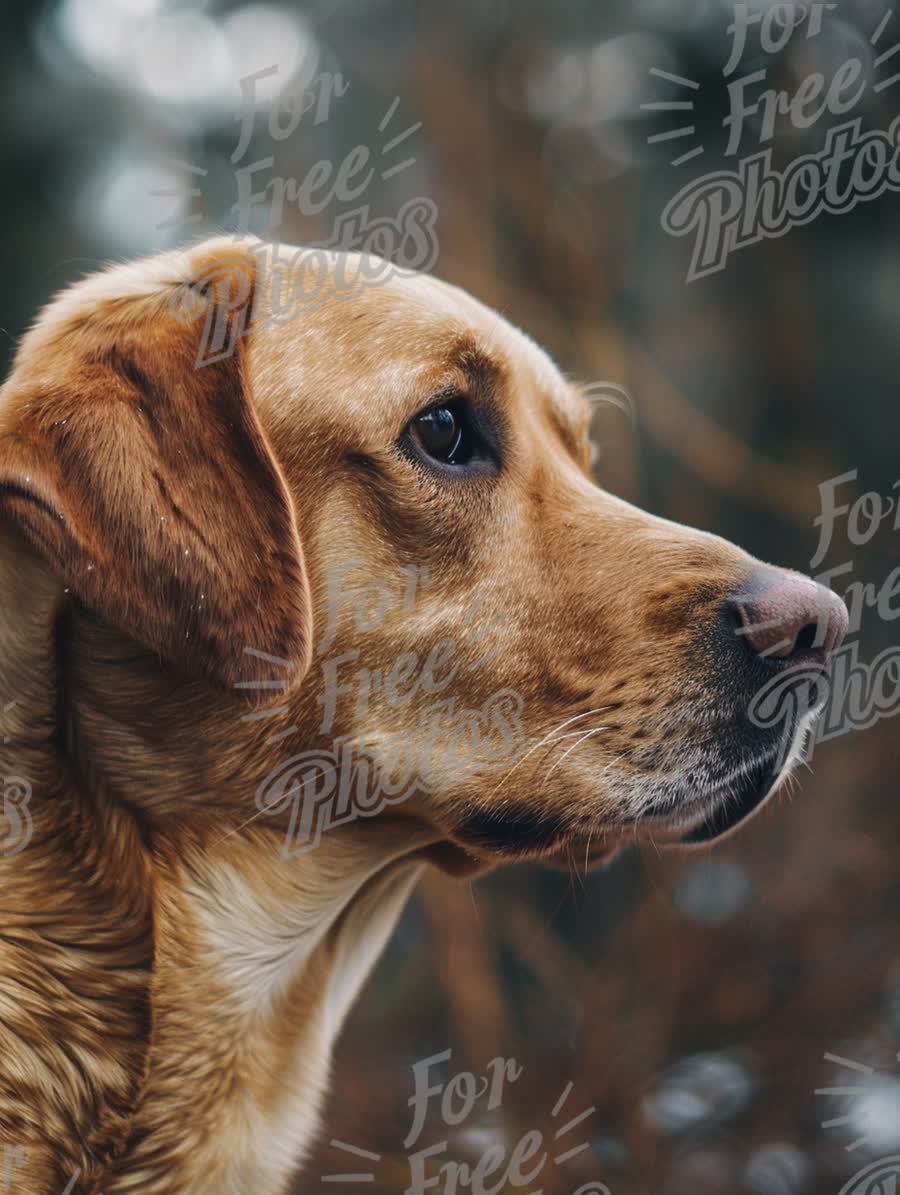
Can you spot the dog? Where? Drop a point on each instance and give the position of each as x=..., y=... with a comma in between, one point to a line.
x=200, y=484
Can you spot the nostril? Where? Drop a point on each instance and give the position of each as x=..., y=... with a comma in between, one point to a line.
x=785, y=616
x=807, y=639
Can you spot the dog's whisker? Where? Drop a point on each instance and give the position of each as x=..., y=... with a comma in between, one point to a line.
x=614, y=395
x=546, y=739
x=569, y=750
x=576, y=876
x=559, y=740
x=573, y=734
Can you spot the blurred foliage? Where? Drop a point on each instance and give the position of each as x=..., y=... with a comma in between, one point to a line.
x=691, y=998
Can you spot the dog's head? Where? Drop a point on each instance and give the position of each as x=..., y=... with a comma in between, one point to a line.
x=384, y=492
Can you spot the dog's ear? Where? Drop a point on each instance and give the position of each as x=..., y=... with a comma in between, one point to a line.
x=147, y=480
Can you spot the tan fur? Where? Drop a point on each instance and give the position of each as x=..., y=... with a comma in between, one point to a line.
x=170, y=984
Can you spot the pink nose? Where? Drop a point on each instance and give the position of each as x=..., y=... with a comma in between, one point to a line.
x=787, y=616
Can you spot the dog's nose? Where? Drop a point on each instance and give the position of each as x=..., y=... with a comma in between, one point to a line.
x=786, y=616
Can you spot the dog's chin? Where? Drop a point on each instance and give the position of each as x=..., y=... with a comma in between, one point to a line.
x=737, y=807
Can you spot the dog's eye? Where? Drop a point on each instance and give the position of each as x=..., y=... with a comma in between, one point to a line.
x=449, y=434
x=439, y=432
x=454, y=438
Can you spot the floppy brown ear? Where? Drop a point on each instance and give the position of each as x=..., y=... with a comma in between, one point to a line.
x=149, y=483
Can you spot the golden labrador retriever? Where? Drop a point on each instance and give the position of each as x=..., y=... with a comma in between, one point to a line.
x=255, y=515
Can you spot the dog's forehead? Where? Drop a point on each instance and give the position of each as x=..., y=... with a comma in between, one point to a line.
x=387, y=348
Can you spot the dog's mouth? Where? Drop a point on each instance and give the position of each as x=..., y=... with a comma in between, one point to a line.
x=737, y=807
x=553, y=841
x=510, y=833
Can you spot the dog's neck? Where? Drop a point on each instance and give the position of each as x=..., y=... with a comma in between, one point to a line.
x=254, y=971
x=220, y=970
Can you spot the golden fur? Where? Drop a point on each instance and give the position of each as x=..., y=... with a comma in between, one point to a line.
x=171, y=984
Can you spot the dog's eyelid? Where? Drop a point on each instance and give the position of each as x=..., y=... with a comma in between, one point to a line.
x=444, y=397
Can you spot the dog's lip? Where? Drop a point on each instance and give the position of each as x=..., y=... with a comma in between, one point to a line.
x=730, y=811
x=703, y=820
x=712, y=817
x=736, y=806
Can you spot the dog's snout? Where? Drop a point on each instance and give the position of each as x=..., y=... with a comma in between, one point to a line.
x=789, y=617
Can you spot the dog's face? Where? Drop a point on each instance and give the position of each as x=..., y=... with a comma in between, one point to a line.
x=391, y=490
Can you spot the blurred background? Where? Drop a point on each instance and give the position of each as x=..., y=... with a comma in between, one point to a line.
x=691, y=999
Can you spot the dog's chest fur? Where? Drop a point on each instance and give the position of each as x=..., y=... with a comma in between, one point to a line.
x=186, y=1048
x=249, y=990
